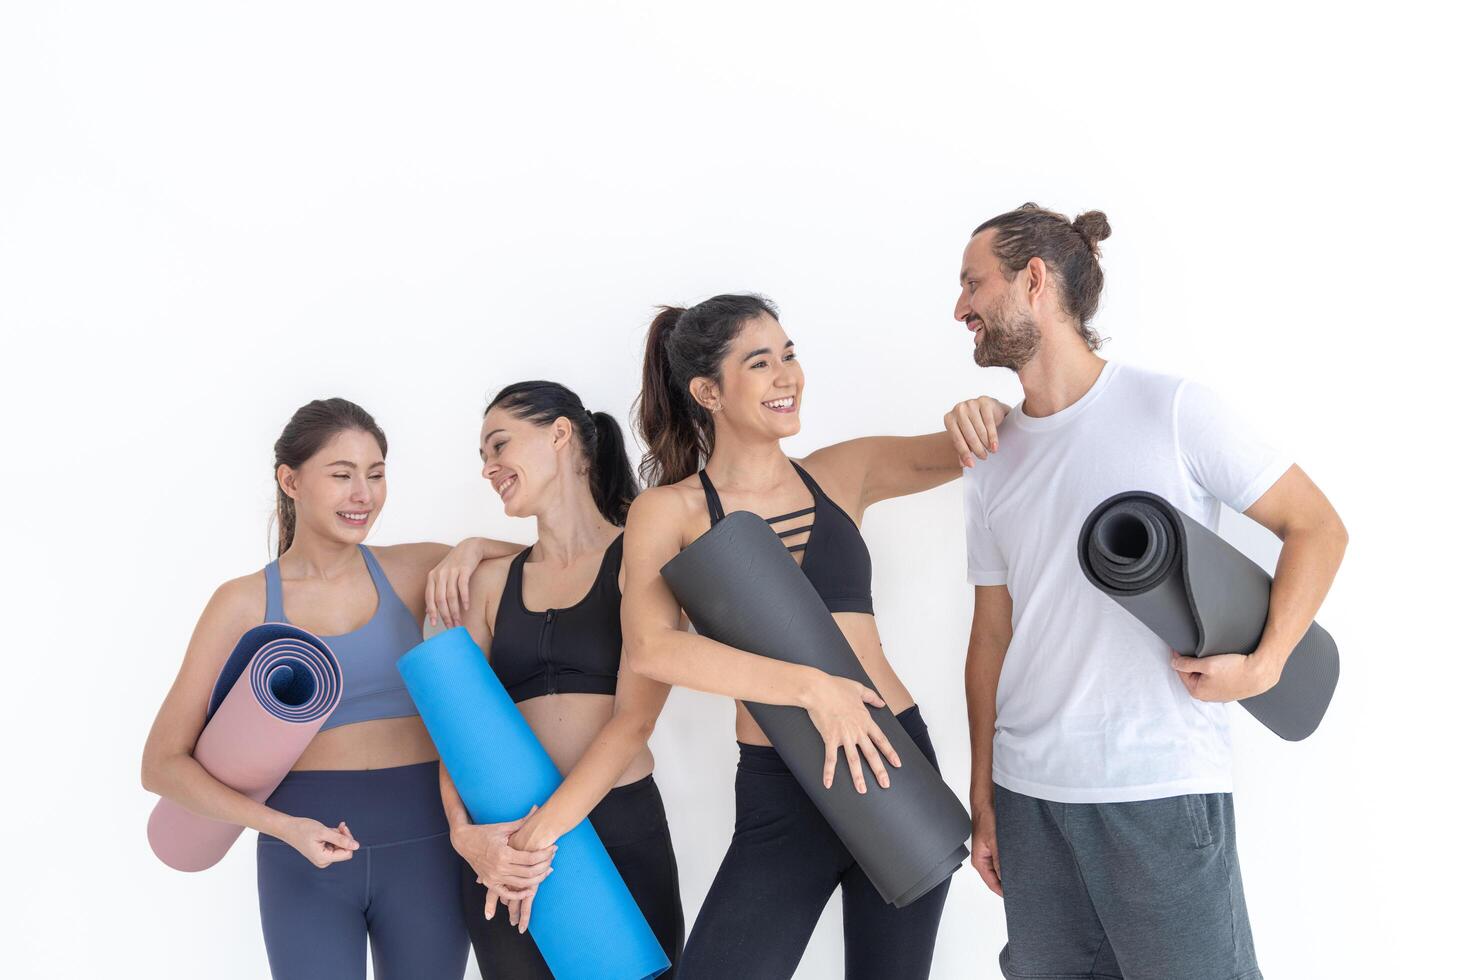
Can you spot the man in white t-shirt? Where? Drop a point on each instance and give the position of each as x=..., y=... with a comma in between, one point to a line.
x=1101, y=759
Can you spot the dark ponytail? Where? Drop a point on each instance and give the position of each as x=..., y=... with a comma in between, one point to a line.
x=311, y=427
x=684, y=345
x=609, y=472
x=612, y=481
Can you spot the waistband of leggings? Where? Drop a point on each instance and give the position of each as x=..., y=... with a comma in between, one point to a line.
x=638, y=787
x=766, y=760
x=379, y=806
x=630, y=812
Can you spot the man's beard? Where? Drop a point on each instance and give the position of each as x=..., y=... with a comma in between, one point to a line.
x=1009, y=339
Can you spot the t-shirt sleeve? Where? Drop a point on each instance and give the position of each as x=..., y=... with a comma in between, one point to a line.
x=1220, y=451
x=986, y=564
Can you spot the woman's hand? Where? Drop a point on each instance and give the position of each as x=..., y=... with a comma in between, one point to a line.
x=535, y=833
x=838, y=707
x=534, y=836
x=972, y=425
x=447, y=594
x=318, y=843
x=507, y=873
x=519, y=910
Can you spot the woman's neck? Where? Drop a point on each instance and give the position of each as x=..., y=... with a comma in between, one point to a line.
x=747, y=464
x=314, y=556
x=570, y=525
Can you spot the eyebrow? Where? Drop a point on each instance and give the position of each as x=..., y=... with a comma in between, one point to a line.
x=762, y=351
x=351, y=465
x=967, y=273
x=489, y=434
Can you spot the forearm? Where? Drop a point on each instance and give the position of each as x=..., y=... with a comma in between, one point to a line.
x=702, y=664
x=454, y=808
x=597, y=771
x=903, y=465
x=183, y=780
x=982, y=674
x=1308, y=563
x=492, y=547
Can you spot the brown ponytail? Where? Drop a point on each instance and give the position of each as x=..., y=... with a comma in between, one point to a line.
x=684, y=345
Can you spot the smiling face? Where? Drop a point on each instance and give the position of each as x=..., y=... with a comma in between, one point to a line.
x=340, y=489
x=760, y=384
x=995, y=308
x=520, y=457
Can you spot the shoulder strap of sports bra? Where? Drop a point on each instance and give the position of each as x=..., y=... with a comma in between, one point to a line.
x=510, y=594
x=811, y=484
x=612, y=564
x=380, y=578
x=712, y=500
x=513, y=575
x=275, y=611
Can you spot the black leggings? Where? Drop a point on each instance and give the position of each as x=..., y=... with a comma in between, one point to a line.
x=631, y=823
x=782, y=865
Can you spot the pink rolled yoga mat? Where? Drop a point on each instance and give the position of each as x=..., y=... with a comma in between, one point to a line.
x=275, y=692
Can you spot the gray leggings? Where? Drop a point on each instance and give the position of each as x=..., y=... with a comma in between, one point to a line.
x=399, y=893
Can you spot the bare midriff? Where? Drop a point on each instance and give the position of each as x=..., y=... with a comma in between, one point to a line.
x=567, y=724
x=378, y=744
x=861, y=631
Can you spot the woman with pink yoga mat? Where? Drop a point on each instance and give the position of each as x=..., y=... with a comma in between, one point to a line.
x=354, y=847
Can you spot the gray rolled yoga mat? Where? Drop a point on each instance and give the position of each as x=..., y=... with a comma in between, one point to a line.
x=740, y=586
x=1202, y=597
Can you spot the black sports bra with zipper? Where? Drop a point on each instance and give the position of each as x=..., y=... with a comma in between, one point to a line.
x=571, y=650
x=836, y=561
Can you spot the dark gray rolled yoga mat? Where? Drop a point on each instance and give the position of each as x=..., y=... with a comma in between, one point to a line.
x=740, y=586
x=1202, y=597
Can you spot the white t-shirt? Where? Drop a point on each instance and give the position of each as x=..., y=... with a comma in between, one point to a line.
x=1088, y=709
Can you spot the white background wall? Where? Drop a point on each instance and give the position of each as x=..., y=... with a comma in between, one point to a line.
x=211, y=213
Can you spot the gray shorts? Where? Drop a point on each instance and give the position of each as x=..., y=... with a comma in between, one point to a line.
x=1122, y=891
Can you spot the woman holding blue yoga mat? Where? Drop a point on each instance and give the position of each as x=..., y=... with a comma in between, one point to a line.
x=549, y=619
x=354, y=849
x=722, y=387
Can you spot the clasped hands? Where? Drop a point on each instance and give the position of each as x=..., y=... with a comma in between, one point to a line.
x=510, y=860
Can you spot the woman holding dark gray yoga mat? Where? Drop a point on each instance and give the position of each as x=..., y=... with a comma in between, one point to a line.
x=721, y=384
x=549, y=619
x=354, y=849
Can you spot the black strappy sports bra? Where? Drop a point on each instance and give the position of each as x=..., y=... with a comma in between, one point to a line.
x=836, y=562
x=572, y=650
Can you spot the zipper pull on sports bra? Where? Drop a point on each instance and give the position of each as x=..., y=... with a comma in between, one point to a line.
x=836, y=559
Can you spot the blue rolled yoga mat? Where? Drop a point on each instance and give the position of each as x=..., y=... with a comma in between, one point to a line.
x=584, y=920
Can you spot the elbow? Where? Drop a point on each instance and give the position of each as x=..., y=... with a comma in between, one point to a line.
x=1333, y=534
x=159, y=770
x=1340, y=534
x=643, y=728
x=1321, y=531
x=641, y=651
x=636, y=728
x=149, y=774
